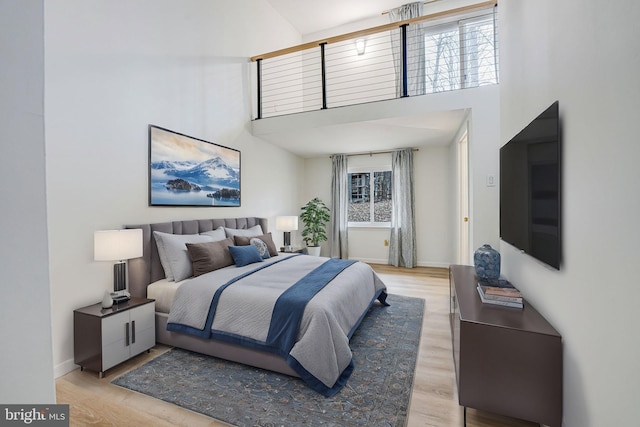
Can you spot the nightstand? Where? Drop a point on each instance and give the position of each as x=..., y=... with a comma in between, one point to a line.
x=294, y=250
x=105, y=337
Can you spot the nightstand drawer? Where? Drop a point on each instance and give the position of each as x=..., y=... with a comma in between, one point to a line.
x=114, y=353
x=114, y=328
x=144, y=340
x=144, y=316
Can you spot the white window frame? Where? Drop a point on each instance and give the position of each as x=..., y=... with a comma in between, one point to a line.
x=370, y=170
x=459, y=26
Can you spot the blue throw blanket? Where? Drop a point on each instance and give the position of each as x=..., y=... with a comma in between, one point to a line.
x=287, y=314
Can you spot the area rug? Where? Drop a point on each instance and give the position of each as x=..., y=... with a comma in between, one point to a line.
x=384, y=349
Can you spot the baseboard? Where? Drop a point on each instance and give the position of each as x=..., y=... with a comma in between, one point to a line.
x=372, y=260
x=419, y=264
x=433, y=264
x=64, y=368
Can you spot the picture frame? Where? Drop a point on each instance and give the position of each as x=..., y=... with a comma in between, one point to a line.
x=188, y=171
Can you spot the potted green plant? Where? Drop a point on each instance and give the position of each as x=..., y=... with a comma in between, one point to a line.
x=315, y=215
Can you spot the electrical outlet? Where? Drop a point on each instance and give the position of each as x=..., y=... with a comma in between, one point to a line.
x=386, y=242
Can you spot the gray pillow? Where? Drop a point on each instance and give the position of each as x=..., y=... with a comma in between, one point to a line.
x=217, y=234
x=254, y=231
x=266, y=238
x=209, y=256
x=173, y=253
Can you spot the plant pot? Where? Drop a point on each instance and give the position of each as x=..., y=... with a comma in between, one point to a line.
x=313, y=250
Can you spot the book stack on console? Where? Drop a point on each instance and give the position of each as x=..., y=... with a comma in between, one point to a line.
x=499, y=292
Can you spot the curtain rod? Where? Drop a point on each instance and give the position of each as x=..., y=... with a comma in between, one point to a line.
x=424, y=2
x=370, y=153
x=386, y=12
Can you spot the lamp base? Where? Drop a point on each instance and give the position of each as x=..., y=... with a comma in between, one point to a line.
x=119, y=276
x=120, y=299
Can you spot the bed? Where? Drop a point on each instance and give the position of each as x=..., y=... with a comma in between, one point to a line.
x=246, y=312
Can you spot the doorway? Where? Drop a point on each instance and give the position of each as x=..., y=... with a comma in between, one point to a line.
x=463, y=200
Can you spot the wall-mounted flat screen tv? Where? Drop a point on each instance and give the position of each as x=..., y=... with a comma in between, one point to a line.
x=530, y=184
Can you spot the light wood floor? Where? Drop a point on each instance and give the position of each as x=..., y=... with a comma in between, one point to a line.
x=434, y=401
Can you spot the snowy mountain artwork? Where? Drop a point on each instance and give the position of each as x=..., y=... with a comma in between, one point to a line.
x=186, y=171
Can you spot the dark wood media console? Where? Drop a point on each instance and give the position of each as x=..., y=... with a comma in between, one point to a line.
x=508, y=360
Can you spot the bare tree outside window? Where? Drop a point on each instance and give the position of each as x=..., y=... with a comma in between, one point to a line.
x=382, y=196
x=480, y=53
x=442, y=56
x=364, y=208
x=461, y=55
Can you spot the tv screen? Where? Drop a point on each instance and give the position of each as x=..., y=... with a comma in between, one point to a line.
x=530, y=189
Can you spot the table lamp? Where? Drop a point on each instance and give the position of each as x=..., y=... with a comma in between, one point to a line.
x=287, y=224
x=118, y=245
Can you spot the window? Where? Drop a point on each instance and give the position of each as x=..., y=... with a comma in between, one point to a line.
x=479, y=43
x=461, y=54
x=365, y=209
x=442, y=60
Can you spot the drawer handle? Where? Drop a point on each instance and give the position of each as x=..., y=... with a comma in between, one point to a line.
x=133, y=332
x=126, y=332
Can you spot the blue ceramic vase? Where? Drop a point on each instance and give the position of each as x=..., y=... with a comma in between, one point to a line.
x=487, y=262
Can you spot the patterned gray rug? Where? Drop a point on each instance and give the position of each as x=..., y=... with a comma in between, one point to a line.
x=384, y=348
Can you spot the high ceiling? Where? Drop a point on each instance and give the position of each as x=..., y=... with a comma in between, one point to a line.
x=365, y=135
x=310, y=16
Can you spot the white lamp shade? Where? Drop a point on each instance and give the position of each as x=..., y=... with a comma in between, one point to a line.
x=117, y=245
x=286, y=223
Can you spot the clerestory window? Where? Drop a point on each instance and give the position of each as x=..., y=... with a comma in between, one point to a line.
x=462, y=54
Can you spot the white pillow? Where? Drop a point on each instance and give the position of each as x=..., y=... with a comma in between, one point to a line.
x=217, y=234
x=254, y=231
x=173, y=253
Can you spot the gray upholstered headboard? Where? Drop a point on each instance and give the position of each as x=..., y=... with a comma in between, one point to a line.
x=147, y=269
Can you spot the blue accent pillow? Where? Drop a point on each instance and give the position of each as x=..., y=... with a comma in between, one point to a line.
x=245, y=255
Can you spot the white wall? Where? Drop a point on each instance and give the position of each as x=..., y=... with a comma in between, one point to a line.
x=434, y=177
x=113, y=68
x=585, y=55
x=27, y=363
x=383, y=19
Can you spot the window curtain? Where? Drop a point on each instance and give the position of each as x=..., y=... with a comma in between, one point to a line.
x=415, y=49
x=340, y=206
x=402, y=243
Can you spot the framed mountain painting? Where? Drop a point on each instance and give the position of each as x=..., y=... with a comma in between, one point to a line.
x=187, y=171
